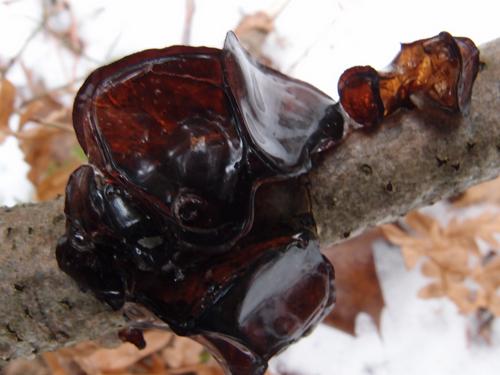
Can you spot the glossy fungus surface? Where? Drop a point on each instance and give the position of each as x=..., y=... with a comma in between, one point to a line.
x=173, y=210
x=193, y=202
x=438, y=71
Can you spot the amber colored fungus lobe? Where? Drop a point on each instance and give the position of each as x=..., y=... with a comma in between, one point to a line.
x=359, y=95
x=189, y=149
x=439, y=70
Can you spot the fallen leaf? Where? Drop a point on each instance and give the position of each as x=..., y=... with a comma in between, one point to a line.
x=422, y=224
x=199, y=370
x=464, y=233
x=49, y=144
x=56, y=363
x=412, y=247
x=7, y=97
x=184, y=356
x=486, y=192
x=494, y=305
x=45, y=109
x=120, y=358
x=468, y=301
x=356, y=281
x=452, y=258
x=432, y=290
x=487, y=275
x=430, y=269
x=62, y=361
x=52, y=155
x=411, y=256
x=182, y=352
x=22, y=366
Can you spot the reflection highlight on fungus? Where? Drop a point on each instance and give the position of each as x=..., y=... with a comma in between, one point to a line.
x=194, y=202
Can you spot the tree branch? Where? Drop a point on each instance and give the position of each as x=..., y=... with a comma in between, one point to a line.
x=414, y=159
x=41, y=308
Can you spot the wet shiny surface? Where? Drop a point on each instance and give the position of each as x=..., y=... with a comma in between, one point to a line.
x=437, y=71
x=190, y=205
x=194, y=204
x=280, y=114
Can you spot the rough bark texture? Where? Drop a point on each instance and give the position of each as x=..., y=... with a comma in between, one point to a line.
x=41, y=309
x=414, y=159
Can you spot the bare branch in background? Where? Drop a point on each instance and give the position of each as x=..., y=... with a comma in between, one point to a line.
x=25, y=45
x=188, y=22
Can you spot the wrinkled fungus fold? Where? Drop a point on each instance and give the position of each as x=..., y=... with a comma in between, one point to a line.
x=438, y=71
x=194, y=202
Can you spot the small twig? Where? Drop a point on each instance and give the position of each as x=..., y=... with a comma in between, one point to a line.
x=66, y=43
x=14, y=59
x=9, y=2
x=17, y=135
x=112, y=47
x=53, y=124
x=50, y=92
x=24, y=136
x=188, y=22
x=308, y=49
x=277, y=8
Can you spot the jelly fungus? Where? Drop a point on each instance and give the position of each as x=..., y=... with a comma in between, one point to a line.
x=193, y=203
x=438, y=71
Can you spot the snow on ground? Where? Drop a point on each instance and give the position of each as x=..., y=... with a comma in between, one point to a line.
x=416, y=337
x=314, y=41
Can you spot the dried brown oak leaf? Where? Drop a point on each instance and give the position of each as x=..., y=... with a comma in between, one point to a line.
x=7, y=98
x=358, y=288
x=171, y=355
x=487, y=275
x=452, y=258
x=487, y=192
x=165, y=354
x=49, y=146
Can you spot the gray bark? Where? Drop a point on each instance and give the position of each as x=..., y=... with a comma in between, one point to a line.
x=41, y=308
x=414, y=159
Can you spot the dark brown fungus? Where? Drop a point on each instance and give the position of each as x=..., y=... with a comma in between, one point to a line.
x=170, y=212
x=439, y=70
x=192, y=203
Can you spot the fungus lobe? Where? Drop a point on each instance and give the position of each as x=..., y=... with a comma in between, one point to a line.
x=170, y=211
x=193, y=203
x=439, y=71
